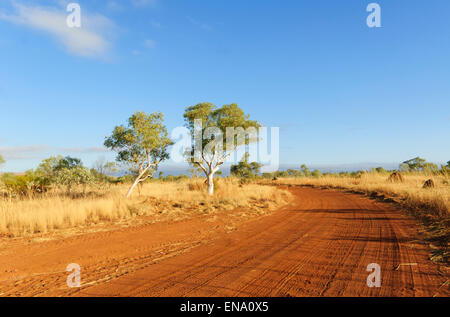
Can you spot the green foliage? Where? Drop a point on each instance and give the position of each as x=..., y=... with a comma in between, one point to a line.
x=244, y=169
x=316, y=173
x=223, y=119
x=404, y=167
x=26, y=184
x=283, y=174
x=228, y=116
x=72, y=176
x=56, y=171
x=418, y=164
x=303, y=172
x=126, y=179
x=445, y=170
x=68, y=163
x=430, y=167
x=142, y=144
x=2, y=160
x=415, y=164
x=172, y=178
x=144, y=140
x=47, y=169
x=62, y=171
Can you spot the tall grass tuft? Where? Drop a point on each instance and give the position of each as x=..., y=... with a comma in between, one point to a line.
x=57, y=210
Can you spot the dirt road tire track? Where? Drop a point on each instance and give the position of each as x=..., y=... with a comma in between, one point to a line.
x=318, y=245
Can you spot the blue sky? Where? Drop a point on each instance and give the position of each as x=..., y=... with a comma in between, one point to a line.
x=341, y=92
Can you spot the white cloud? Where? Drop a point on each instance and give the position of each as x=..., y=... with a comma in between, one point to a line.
x=155, y=24
x=199, y=24
x=92, y=149
x=22, y=152
x=91, y=40
x=116, y=6
x=149, y=43
x=113, y=5
x=143, y=3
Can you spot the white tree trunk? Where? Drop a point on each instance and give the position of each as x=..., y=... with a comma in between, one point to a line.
x=210, y=182
x=136, y=181
x=133, y=186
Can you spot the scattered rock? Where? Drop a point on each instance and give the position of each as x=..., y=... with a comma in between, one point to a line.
x=395, y=177
x=428, y=184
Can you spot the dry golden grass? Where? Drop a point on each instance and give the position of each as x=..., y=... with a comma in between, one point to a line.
x=432, y=201
x=169, y=200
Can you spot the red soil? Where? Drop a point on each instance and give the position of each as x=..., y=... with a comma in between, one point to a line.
x=318, y=245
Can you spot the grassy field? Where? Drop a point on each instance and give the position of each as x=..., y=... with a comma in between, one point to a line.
x=169, y=200
x=174, y=200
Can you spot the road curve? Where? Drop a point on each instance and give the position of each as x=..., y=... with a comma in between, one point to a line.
x=318, y=245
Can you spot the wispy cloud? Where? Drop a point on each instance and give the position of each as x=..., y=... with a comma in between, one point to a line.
x=199, y=24
x=85, y=150
x=123, y=5
x=91, y=40
x=155, y=24
x=113, y=5
x=25, y=152
x=22, y=152
x=143, y=3
x=149, y=43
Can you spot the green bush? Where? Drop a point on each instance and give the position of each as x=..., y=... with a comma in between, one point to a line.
x=27, y=184
x=52, y=172
x=244, y=169
x=172, y=178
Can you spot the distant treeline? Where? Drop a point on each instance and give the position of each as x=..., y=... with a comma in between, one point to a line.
x=68, y=173
x=415, y=165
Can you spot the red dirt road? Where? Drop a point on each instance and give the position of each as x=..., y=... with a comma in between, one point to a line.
x=318, y=245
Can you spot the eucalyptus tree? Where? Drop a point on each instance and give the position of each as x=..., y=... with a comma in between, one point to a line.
x=62, y=171
x=208, y=125
x=415, y=164
x=244, y=169
x=142, y=144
